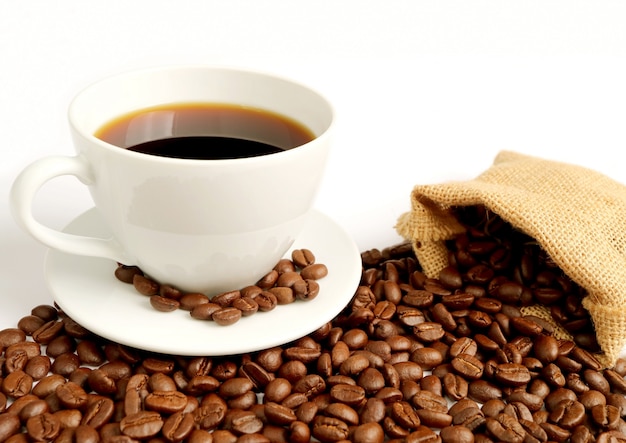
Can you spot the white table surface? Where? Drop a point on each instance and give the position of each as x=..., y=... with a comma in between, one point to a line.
x=426, y=91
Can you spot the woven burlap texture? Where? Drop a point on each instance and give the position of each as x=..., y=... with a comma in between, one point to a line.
x=577, y=215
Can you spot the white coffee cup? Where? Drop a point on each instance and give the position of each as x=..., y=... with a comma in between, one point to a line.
x=200, y=225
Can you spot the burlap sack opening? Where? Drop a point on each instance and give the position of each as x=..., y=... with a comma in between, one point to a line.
x=577, y=215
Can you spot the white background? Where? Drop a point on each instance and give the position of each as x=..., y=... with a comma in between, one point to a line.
x=426, y=91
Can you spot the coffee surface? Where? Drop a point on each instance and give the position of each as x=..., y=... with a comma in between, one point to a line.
x=205, y=148
x=209, y=131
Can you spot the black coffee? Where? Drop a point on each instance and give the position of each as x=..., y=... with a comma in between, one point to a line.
x=205, y=131
x=205, y=148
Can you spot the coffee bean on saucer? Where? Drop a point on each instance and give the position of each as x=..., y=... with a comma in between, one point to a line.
x=290, y=280
x=144, y=285
x=226, y=316
x=127, y=273
x=302, y=257
x=315, y=271
x=164, y=304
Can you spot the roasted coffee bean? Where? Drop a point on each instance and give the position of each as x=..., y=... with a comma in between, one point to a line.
x=189, y=301
x=100, y=381
x=468, y=366
x=404, y=415
x=429, y=400
x=555, y=432
x=483, y=391
x=289, y=280
x=470, y=417
x=315, y=271
x=532, y=401
x=451, y=278
x=268, y=280
x=171, y=292
x=463, y=345
x=167, y=402
x=127, y=273
x=419, y=298
x=434, y=419
x=27, y=324
x=368, y=433
x=306, y=290
x=423, y=434
x=456, y=434
x=430, y=383
x=526, y=326
x=302, y=257
x=209, y=415
x=17, y=384
x=568, y=365
x=48, y=331
x=596, y=380
x=616, y=381
x=457, y=301
x=164, y=304
x=493, y=407
x=71, y=395
x=553, y=375
x=512, y=374
x=505, y=428
x=284, y=265
x=581, y=434
x=405, y=370
x=586, y=358
x=226, y=316
x=349, y=394
x=568, y=414
x=38, y=367
x=205, y=311
x=90, y=353
x=428, y=331
x=605, y=416
x=32, y=409
x=534, y=430
x=243, y=422
x=455, y=386
x=427, y=357
x=371, y=379
x=43, y=427
x=145, y=285
x=329, y=429
x=45, y=312
x=161, y=382
x=546, y=348
x=178, y=426
x=226, y=299
x=235, y=387
x=141, y=425
x=98, y=412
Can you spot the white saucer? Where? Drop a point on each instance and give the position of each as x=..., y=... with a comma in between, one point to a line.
x=87, y=290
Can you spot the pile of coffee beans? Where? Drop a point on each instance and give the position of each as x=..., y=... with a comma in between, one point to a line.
x=288, y=281
x=411, y=359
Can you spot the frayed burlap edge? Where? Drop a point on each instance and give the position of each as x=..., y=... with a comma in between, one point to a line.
x=577, y=215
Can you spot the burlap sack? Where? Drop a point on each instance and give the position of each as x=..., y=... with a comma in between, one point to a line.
x=577, y=215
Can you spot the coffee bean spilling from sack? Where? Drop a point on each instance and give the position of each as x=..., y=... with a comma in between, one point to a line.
x=410, y=359
x=517, y=272
x=290, y=280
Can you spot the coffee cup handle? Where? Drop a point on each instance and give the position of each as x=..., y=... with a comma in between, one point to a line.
x=22, y=195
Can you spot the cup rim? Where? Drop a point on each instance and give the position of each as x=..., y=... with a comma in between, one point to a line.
x=72, y=111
